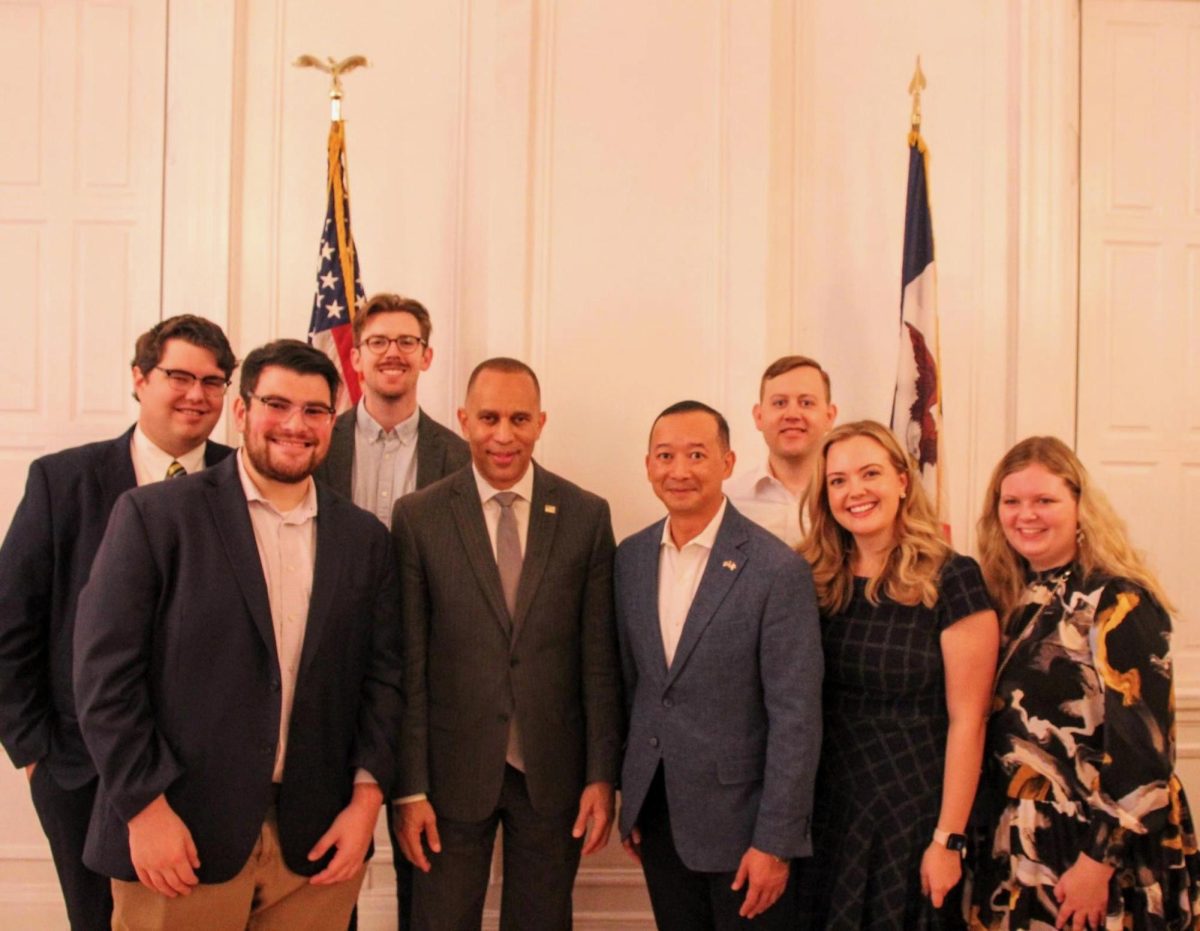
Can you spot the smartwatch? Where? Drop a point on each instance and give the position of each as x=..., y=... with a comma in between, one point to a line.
x=955, y=842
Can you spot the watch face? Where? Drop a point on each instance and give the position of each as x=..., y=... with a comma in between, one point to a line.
x=957, y=842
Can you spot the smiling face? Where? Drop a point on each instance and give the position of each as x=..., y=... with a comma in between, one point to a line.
x=392, y=374
x=794, y=413
x=1039, y=515
x=284, y=448
x=686, y=464
x=178, y=421
x=502, y=421
x=864, y=488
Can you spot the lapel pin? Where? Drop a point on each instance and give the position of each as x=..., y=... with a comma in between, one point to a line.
x=730, y=565
x=551, y=509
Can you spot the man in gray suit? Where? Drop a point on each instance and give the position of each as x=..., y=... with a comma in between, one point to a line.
x=511, y=678
x=386, y=446
x=721, y=656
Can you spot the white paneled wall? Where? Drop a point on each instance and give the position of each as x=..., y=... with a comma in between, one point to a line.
x=647, y=201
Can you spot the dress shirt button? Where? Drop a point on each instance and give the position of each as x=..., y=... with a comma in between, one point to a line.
x=654, y=741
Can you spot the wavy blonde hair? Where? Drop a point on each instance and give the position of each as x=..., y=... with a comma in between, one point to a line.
x=1104, y=546
x=910, y=573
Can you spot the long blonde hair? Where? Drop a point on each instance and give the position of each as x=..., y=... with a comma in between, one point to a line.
x=1103, y=544
x=910, y=572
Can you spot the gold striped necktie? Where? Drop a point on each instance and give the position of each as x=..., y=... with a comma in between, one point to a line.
x=175, y=470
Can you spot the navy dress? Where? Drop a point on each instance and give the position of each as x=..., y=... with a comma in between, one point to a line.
x=879, y=785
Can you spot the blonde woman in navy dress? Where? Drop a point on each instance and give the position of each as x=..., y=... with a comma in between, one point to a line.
x=910, y=644
x=1091, y=828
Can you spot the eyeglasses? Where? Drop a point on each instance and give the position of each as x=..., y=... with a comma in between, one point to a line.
x=182, y=381
x=406, y=344
x=315, y=415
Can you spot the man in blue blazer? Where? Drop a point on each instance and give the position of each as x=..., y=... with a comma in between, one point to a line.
x=721, y=657
x=237, y=677
x=181, y=369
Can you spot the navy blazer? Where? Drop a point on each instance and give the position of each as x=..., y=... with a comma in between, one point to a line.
x=177, y=677
x=736, y=719
x=44, y=562
x=439, y=452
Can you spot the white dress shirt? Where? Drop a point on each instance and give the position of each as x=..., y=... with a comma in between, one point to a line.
x=150, y=463
x=764, y=499
x=520, y=506
x=385, y=463
x=679, y=573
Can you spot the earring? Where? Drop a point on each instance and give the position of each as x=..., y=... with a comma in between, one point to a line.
x=1079, y=536
x=903, y=495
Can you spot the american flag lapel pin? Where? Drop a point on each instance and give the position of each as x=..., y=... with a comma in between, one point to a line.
x=551, y=509
x=730, y=565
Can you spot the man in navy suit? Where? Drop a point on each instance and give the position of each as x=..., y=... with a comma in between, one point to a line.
x=721, y=657
x=237, y=675
x=181, y=369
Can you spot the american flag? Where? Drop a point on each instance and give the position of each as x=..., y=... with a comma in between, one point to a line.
x=333, y=311
x=917, y=404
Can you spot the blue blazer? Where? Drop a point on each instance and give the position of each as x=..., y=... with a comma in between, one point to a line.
x=44, y=563
x=736, y=719
x=178, y=684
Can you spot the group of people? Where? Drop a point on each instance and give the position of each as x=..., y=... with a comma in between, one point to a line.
x=817, y=714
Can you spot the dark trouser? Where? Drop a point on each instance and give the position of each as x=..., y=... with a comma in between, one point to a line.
x=687, y=900
x=540, y=861
x=404, y=877
x=64, y=814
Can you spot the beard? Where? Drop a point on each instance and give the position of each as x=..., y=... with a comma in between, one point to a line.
x=272, y=464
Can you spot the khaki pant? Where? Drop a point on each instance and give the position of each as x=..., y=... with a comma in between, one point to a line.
x=264, y=896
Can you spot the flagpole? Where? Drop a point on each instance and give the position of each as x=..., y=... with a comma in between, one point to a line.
x=335, y=69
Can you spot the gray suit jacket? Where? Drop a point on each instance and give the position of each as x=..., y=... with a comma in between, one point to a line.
x=469, y=666
x=439, y=452
x=736, y=720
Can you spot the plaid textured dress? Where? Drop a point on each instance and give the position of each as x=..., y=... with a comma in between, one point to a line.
x=1081, y=758
x=879, y=785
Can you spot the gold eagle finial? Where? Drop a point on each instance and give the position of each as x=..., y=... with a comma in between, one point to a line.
x=333, y=68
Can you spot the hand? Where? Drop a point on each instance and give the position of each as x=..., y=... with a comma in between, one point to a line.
x=351, y=833
x=633, y=845
x=941, y=869
x=1082, y=894
x=417, y=818
x=767, y=876
x=29, y=771
x=162, y=850
x=595, y=808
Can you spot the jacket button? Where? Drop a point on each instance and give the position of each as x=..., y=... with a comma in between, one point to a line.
x=274, y=685
x=514, y=662
x=654, y=741
x=668, y=703
x=502, y=718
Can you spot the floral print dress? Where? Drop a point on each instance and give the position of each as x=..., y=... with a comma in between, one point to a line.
x=1081, y=758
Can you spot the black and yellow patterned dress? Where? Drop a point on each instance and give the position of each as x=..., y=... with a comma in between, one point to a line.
x=1081, y=757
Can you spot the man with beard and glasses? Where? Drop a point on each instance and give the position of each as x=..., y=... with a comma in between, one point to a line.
x=237, y=677
x=181, y=369
x=386, y=446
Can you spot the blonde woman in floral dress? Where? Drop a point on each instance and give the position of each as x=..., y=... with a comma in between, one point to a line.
x=1090, y=827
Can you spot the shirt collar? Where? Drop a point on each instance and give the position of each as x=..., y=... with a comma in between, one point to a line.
x=369, y=429
x=305, y=510
x=706, y=537
x=523, y=488
x=156, y=460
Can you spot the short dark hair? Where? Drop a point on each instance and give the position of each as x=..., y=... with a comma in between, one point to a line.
x=785, y=364
x=148, y=350
x=507, y=366
x=691, y=407
x=387, y=303
x=293, y=355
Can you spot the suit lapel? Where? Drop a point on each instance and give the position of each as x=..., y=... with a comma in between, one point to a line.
x=543, y=521
x=327, y=570
x=339, y=464
x=231, y=514
x=645, y=600
x=725, y=563
x=116, y=474
x=431, y=452
x=467, y=510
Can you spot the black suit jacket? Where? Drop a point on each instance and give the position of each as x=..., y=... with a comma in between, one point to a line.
x=439, y=452
x=468, y=665
x=44, y=562
x=177, y=677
